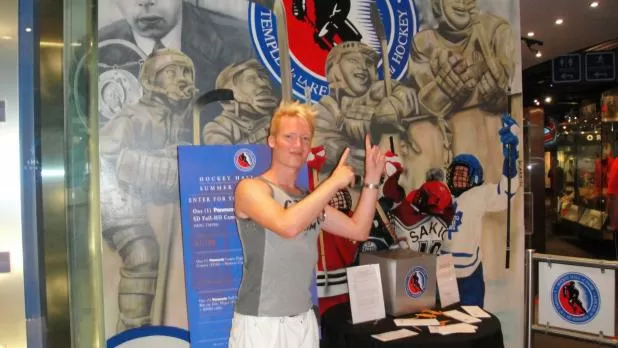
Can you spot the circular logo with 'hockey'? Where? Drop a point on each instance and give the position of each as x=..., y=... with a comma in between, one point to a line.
x=313, y=30
x=244, y=160
x=575, y=298
x=416, y=282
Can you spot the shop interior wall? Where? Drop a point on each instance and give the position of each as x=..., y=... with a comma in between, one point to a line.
x=12, y=301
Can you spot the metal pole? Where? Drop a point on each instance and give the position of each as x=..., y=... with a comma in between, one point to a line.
x=576, y=261
x=529, y=294
x=604, y=340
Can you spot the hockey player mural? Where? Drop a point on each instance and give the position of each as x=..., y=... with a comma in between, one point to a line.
x=445, y=111
x=140, y=175
x=246, y=119
x=473, y=197
x=357, y=105
x=463, y=69
x=219, y=49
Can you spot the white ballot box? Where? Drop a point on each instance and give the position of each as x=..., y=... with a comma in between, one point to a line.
x=408, y=279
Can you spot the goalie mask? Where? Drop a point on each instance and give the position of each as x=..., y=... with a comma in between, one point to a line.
x=464, y=173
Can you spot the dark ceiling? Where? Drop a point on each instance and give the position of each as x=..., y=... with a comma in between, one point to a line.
x=585, y=29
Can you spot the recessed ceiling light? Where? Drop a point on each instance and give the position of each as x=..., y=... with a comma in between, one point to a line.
x=530, y=34
x=594, y=4
x=559, y=21
x=28, y=29
x=538, y=54
x=548, y=99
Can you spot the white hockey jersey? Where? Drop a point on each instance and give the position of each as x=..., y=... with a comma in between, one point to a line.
x=463, y=238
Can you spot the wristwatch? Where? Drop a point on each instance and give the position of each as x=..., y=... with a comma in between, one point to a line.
x=371, y=186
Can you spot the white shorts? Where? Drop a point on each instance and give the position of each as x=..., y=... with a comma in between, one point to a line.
x=300, y=331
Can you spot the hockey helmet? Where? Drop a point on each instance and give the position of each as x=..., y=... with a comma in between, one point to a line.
x=474, y=173
x=433, y=198
x=334, y=75
x=160, y=60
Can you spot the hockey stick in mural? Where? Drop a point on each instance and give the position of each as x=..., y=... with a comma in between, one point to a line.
x=509, y=153
x=284, y=53
x=376, y=21
x=201, y=102
x=172, y=218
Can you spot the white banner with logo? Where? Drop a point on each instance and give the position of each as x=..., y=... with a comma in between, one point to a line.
x=577, y=298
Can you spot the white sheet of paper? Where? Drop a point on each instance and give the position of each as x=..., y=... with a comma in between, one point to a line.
x=452, y=329
x=458, y=328
x=476, y=311
x=394, y=335
x=416, y=322
x=463, y=317
x=366, y=297
x=447, y=280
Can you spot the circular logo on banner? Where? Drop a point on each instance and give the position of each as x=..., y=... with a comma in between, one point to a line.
x=416, y=282
x=244, y=160
x=151, y=336
x=575, y=298
x=313, y=31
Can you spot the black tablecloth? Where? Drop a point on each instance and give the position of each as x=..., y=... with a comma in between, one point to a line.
x=338, y=332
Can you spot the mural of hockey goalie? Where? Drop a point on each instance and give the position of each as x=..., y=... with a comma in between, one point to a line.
x=139, y=174
x=357, y=104
x=462, y=70
x=472, y=199
x=246, y=119
x=422, y=217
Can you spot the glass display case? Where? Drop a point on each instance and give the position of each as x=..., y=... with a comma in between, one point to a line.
x=580, y=162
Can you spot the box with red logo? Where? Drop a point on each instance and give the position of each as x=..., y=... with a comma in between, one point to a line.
x=408, y=279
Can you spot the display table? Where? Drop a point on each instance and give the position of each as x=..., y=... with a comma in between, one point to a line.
x=339, y=332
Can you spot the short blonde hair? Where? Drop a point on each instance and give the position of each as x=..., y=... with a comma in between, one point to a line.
x=293, y=109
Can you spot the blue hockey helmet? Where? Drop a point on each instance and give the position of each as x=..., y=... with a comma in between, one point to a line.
x=475, y=173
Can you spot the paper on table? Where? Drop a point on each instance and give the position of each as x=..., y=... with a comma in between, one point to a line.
x=447, y=280
x=416, y=322
x=455, y=314
x=451, y=329
x=394, y=335
x=366, y=297
x=476, y=311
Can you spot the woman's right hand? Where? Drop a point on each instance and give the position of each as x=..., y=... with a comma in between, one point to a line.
x=343, y=175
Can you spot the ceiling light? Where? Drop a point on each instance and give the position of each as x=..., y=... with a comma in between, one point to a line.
x=28, y=29
x=530, y=34
x=594, y=4
x=548, y=99
x=559, y=21
x=538, y=54
x=563, y=127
